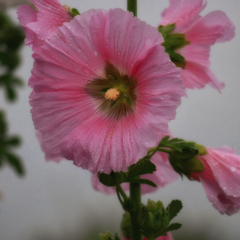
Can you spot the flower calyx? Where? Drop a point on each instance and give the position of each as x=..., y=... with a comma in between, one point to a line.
x=72, y=11
x=154, y=219
x=173, y=42
x=186, y=161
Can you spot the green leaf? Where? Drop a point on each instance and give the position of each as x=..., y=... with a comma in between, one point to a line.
x=174, y=208
x=171, y=227
x=15, y=163
x=141, y=181
x=3, y=125
x=143, y=166
x=13, y=141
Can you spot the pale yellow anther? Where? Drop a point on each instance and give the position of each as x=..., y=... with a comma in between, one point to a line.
x=112, y=94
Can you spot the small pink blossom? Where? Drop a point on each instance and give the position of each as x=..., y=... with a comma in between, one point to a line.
x=83, y=60
x=168, y=237
x=221, y=178
x=202, y=33
x=163, y=176
x=42, y=24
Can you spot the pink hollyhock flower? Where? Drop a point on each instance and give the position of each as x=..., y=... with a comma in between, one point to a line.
x=163, y=176
x=42, y=24
x=100, y=94
x=221, y=178
x=200, y=33
x=168, y=237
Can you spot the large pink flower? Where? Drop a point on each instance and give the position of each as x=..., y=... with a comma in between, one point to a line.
x=201, y=32
x=168, y=237
x=163, y=176
x=221, y=178
x=100, y=94
x=42, y=24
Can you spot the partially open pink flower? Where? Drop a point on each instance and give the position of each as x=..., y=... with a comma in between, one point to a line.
x=163, y=176
x=201, y=33
x=168, y=237
x=42, y=24
x=221, y=178
x=103, y=90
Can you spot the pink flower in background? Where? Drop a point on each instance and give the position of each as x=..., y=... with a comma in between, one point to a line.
x=100, y=94
x=202, y=33
x=163, y=176
x=42, y=24
x=168, y=237
x=221, y=179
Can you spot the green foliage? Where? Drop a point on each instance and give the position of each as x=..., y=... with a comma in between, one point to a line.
x=6, y=145
x=126, y=225
x=172, y=42
x=113, y=178
x=174, y=208
x=11, y=38
x=154, y=220
x=108, y=236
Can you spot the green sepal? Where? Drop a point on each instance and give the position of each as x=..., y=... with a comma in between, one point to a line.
x=126, y=225
x=141, y=181
x=172, y=42
x=166, y=30
x=113, y=178
x=143, y=166
x=108, y=236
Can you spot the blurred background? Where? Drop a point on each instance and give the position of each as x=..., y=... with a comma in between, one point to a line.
x=56, y=201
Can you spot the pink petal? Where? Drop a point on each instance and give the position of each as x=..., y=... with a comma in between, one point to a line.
x=48, y=155
x=197, y=76
x=214, y=27
x=226, y=169
x=182, y=12
x=41, y=25
x=220, y=179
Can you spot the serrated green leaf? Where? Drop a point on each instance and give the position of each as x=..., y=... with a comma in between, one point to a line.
x=143, y=166
x=15, y=163
x=174, y=208
x=141, y=181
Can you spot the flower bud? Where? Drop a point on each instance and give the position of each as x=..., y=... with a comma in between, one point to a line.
x=113, y=179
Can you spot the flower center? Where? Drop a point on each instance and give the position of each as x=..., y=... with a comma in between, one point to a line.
x=114, y=94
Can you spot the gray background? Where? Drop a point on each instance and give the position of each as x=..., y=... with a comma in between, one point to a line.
x=56, y=201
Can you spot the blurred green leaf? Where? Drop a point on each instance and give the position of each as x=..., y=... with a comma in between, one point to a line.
x=15, y=162
x=174, y=208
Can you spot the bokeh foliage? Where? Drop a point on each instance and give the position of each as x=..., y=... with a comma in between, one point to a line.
x=11, y=39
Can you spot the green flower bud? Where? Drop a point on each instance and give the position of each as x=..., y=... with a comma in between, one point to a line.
x=112, y=179
x=126, y=225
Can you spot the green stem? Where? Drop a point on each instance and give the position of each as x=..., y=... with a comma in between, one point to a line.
x=132, y=6
x=135, y=196
x=120, y=190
